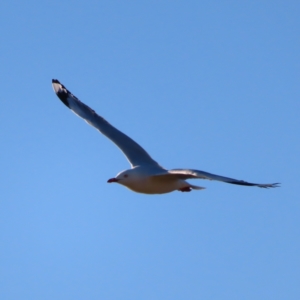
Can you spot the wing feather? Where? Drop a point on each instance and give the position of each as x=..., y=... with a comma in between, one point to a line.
x=135, y=154
x=194, y=174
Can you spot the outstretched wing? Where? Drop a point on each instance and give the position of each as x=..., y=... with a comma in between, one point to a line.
x=193, y=174
x=135, y=154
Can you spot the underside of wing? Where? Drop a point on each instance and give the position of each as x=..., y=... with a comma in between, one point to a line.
x=194, y=174
x=135, y=154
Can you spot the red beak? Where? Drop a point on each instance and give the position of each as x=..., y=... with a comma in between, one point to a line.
x=112, y=180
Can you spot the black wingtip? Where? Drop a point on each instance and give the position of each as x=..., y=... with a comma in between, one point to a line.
x=265, y=186
x=276, y=184
x=61, y=92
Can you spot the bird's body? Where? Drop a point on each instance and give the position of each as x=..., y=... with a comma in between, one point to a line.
x=152, y=180
x=146, y=175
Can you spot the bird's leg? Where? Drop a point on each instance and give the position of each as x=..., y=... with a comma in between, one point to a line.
x=185, y=189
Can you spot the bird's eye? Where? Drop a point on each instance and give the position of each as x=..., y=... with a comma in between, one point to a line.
x=126, y=175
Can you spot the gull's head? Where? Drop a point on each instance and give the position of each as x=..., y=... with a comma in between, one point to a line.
x=125, y=177
x=136, y=179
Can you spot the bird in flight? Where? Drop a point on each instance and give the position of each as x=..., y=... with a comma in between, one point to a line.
x=145, y=175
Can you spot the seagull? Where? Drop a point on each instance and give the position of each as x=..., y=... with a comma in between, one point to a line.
x=145, y=175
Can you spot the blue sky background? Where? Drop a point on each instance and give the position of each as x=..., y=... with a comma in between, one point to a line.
x=210, y=85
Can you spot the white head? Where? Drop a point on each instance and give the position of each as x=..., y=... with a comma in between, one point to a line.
x=128, y=178
x=139, y=179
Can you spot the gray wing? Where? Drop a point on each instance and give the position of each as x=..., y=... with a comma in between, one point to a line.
x=135, y=154
x=193, y=174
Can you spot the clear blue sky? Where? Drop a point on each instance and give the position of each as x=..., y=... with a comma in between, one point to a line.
x=210, y=85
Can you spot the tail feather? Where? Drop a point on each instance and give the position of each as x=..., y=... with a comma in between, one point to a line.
x=196, y=187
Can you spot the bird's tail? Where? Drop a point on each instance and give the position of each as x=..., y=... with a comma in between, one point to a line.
x=196, y=187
